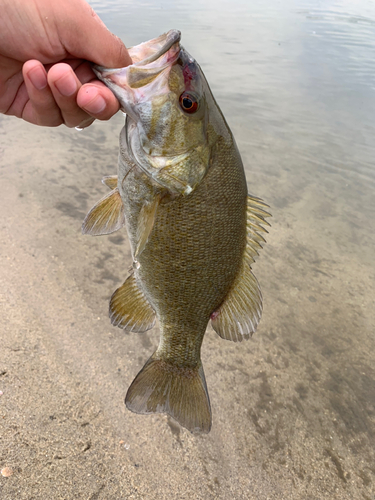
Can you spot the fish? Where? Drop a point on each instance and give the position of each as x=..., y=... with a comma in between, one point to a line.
x=194, y=230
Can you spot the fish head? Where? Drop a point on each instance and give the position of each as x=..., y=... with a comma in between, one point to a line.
x=164, y=95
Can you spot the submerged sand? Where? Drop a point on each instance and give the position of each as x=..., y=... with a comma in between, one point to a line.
x=293, y=408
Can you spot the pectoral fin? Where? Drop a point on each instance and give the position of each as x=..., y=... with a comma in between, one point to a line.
x=110, y=181
x=129, y=309
x=145, y=224
x=239, y=315
x=106, y=217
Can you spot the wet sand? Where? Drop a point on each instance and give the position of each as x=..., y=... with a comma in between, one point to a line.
x=293, y=408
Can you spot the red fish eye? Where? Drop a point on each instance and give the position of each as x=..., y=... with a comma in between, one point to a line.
x=188, y=102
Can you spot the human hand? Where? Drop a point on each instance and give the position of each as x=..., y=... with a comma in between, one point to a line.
x=44, y=74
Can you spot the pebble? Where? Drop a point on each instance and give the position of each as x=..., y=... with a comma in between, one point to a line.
x=6, y=472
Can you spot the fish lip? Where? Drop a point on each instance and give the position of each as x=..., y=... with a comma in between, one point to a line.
x=170, y=38
x=146, y=77
x=139, y=81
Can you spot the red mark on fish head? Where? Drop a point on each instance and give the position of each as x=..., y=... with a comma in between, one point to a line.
x=190, y=74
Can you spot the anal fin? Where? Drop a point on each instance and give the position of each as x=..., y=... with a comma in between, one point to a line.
x=129, y=309
x=106, y=217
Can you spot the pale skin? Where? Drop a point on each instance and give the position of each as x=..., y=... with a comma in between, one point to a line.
x=45, y=78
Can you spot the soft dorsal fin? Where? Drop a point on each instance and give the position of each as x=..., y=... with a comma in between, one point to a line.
x=129, y=309
x=240, y=313
x=110, y=181
x=146, y=221
x=106, y=217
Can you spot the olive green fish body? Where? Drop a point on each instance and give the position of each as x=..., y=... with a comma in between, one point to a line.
x=194, y=250
x=181, y=192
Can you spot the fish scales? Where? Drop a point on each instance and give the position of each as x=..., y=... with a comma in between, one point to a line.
x=193, y=255
x=181, y=191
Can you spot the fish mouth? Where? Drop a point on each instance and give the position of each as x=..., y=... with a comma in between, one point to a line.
x=138, y=81
x=149, y=52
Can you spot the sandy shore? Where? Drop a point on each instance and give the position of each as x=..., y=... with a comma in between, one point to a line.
x=293, y=409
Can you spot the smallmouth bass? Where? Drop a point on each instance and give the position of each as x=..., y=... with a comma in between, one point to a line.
x=181, y=192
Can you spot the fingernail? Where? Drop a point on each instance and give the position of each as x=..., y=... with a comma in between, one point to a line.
x=66, y=85
x=38, y=78
x=97, y=105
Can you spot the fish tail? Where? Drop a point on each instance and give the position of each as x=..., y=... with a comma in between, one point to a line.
x=162, y=387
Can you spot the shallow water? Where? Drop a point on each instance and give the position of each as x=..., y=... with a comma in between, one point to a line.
x=293, y=408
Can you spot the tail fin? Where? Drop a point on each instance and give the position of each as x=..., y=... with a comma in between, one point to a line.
x=161, y=387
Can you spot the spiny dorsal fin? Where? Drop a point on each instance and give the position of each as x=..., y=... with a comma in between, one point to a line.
x=179, y=391
x=129, y=309
x=106, y=217
x=145, y=224
x=110, y=181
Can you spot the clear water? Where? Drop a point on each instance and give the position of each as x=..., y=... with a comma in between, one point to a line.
x=294, y=408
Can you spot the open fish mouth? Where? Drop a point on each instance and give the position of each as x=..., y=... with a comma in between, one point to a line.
x=150, y=59
x=163, y=98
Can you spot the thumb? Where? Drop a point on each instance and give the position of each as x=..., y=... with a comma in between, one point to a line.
x=85, y=36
